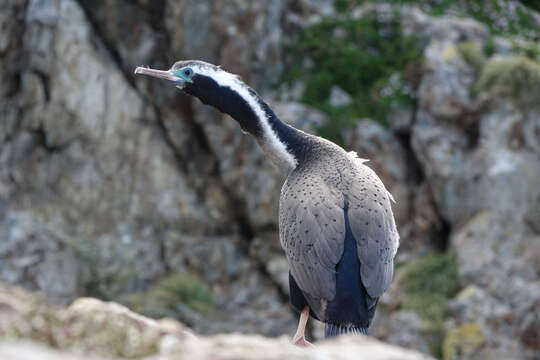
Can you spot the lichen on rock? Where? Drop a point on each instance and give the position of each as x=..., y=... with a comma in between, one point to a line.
x=463, y=342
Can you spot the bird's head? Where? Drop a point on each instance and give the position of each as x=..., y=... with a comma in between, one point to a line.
x=216, y=87
x=195, y=77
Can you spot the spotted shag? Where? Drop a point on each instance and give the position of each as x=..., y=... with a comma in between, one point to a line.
x=336, y=224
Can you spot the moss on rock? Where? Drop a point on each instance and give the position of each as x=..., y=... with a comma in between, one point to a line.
x=516, y=76
x=429, y=283
x=473, y=53
x=171, y=294
x=184, y=288
x=463, y=341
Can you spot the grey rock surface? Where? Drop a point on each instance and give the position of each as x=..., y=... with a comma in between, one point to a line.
x=339, y=97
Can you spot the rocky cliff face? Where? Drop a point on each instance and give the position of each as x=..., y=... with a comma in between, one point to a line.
x=117, y=187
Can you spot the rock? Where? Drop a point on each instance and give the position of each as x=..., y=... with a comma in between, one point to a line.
x=38, y=256
x=405, y=329
x=130, y=30
x=464, y=342
x=25, y=350
x=241, y=347
x=319, y=7
x=346, y=347
x=447, y=67
x=88, y=325
x=506, y=287
x=249, y=41
x=458, y=172
x=400, y=119
x=338, y=97
x=90, y=328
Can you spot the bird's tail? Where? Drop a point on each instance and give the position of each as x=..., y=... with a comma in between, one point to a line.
x=332, y=330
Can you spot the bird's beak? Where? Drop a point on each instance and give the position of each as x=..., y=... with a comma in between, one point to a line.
x=160, y=74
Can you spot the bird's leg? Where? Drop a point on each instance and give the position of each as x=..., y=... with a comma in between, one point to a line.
x=299, y=338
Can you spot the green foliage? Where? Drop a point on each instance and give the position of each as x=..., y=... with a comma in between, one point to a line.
x=489, y=47
x=530, y=49
x=436, y=344
x=533, y=4
x=429, y=283
x=518, y=76
x=183, y=288
x=365, y=57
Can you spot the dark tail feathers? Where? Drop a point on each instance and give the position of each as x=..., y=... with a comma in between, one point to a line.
x=332, y=330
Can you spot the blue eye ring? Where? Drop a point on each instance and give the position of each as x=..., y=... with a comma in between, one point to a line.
x=187, y=72
x=184, y=74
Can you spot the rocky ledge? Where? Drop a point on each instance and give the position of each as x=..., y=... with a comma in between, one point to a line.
x=93, y=329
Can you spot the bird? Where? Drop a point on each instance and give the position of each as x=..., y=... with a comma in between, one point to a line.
x=336, y=224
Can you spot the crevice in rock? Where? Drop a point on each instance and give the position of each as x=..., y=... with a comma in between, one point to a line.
x=42, y=140
x=11, y=65
x=111, y=50
x=180, y=160
x=442, y=235
x=14, y=86
x=163, y=256
x=414, y=175
x=45, y=84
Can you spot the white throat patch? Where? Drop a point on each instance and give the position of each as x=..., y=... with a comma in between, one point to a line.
x=270, y=143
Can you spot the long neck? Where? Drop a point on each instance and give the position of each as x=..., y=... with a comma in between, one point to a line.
x=281, y=142
x=284, y=144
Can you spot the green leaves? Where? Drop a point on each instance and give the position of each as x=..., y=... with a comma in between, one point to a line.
x=365, y=57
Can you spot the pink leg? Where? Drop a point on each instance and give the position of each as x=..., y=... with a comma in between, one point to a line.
x=299, y=338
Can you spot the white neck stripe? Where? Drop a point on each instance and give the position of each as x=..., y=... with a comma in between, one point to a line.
x=233, y=82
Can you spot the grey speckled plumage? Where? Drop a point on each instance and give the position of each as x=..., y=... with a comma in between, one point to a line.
x=312, y=223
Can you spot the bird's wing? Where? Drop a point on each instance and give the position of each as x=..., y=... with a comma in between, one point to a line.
x=312, y=231
x=373, y=226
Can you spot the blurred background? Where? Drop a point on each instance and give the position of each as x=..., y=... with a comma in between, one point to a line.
x=122, y=188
